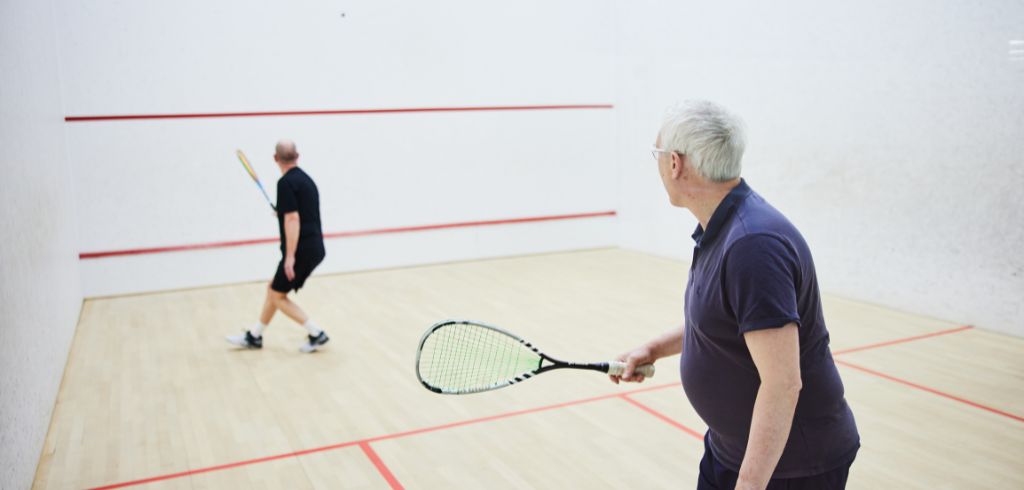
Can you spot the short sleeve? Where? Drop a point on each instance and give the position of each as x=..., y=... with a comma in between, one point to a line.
x=287, y=201
x=760, y=281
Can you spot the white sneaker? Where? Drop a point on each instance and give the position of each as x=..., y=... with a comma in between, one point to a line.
x=246, y=340
x=314, y=343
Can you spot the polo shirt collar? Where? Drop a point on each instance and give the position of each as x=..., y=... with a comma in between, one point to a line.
x=721, y=214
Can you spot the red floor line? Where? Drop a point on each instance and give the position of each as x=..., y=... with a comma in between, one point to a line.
x=180, y=474
x=343, y=234
x=516, y=413
x=900, y=341
x=932, y=390
x=360, y=442
x=335, y=112
x=381, y=467
x=624, y=395
x=663, y=417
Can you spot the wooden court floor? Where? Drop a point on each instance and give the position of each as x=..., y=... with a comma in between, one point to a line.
x=153, y=397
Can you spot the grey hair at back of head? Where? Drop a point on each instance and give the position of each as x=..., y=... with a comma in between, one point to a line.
x=710, y=137
x=286, y=151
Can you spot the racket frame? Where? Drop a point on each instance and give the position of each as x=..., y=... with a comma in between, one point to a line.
x=252, y=173
x=541, y=368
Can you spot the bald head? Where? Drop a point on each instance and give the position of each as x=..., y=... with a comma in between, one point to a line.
x=285, y=152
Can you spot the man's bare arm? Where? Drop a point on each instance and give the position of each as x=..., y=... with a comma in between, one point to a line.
x=776, y=353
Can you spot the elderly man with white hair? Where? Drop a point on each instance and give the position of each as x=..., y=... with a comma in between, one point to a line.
x=756, y=364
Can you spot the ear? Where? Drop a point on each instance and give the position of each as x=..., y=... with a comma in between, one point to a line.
x=678, y=160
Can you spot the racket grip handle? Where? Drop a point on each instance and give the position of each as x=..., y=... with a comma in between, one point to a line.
x=616, y=368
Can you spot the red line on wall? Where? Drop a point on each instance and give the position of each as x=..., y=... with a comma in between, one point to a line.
x=338, y=112
x=381, y=467
x=932, y=390
x=624, y=395
x=175, y=248
x=342, y=234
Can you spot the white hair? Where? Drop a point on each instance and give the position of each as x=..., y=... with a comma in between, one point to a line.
x=710, y=137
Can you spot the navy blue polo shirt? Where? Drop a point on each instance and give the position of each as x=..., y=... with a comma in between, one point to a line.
x=753, y=270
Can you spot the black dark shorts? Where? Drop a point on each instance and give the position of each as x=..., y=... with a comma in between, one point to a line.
x=714, y=476
x=304, y=265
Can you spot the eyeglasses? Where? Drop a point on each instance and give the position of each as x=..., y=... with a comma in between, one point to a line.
x=655, y=151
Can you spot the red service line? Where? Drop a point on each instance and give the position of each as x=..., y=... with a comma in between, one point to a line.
x=381, y=467
x=517, y=413
x=343, y=234
x=364, y=444
x=915, y=385
x=236, y=464
x=932, y=391
x=338, y=112
x=663, y=417
x=900, y=341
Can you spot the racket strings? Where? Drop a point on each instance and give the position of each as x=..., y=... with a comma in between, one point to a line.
x=481, y=356
x=465, y=358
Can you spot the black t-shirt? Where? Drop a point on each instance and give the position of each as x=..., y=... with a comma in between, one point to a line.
x=297, y=192
x=752, y=270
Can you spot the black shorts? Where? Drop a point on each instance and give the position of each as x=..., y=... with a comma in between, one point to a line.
x=304, y=265
x=713, y=476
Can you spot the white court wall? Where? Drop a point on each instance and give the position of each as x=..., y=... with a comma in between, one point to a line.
x=39, y=296
x=166, y=182
x=890, y=133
